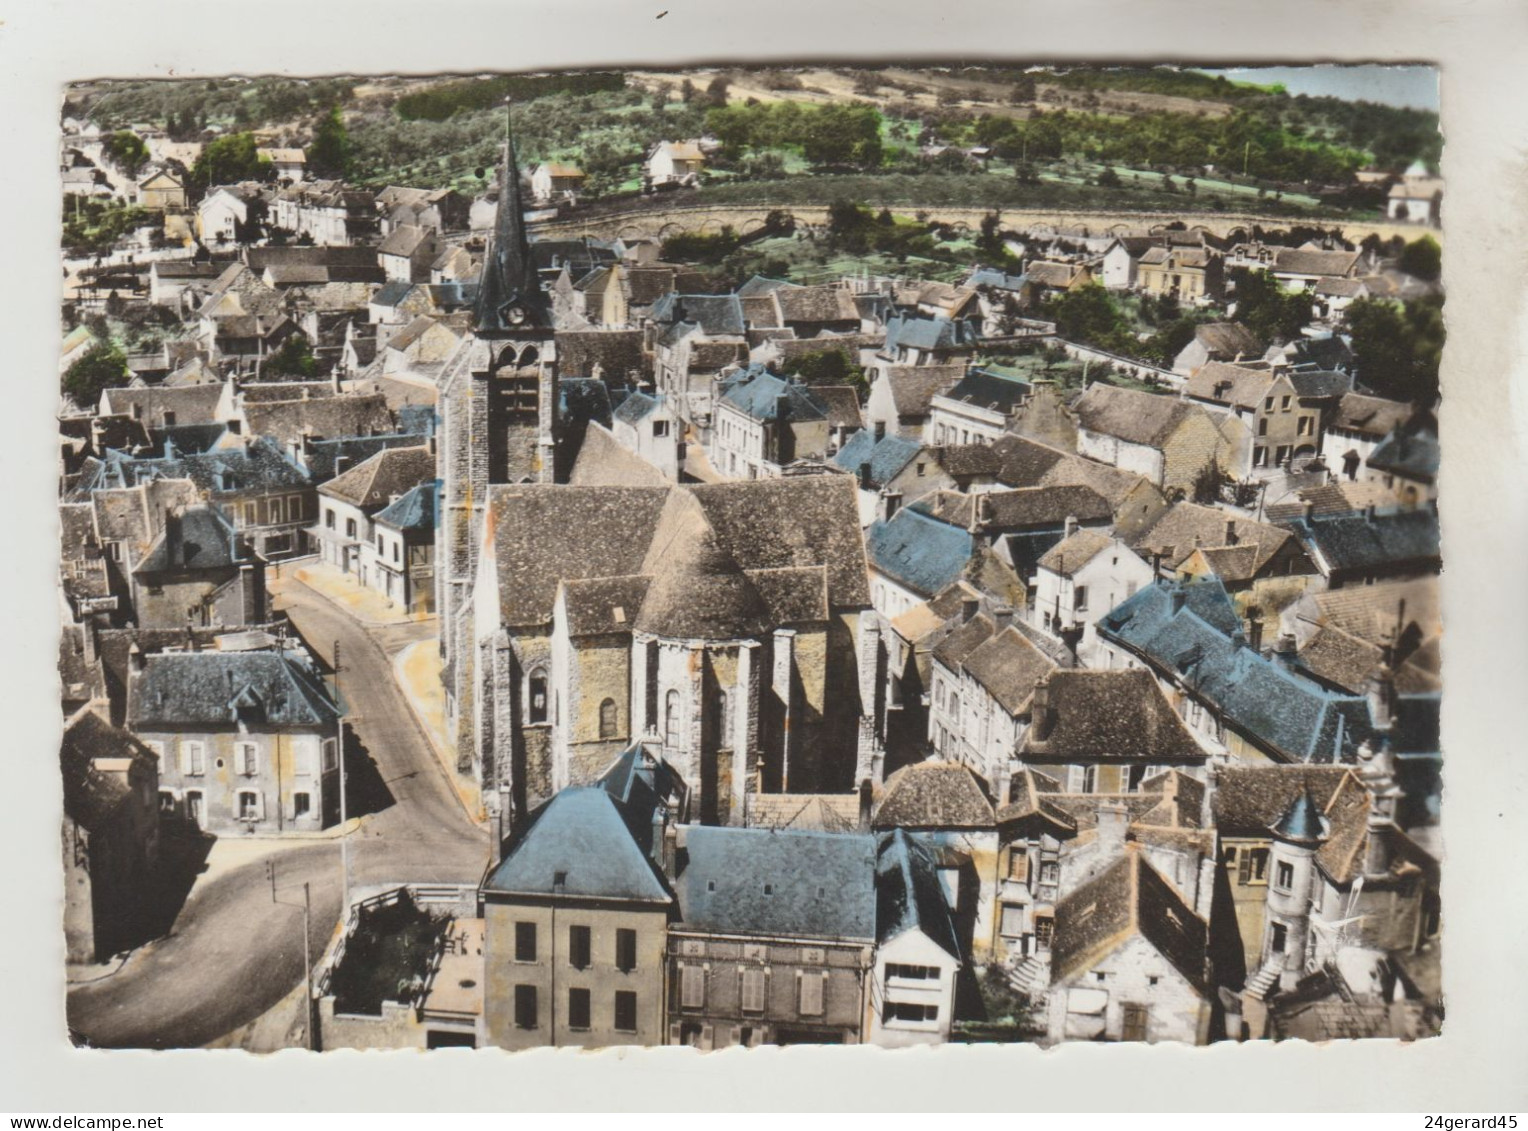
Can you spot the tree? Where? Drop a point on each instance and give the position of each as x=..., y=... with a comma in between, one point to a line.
x=827, y=367
x=229, y=160
x=1024, y=90
x=847, y=224
x=1267, y=309
x=716, y=90
x=843, y=135
x=1422, y=258
x=293, y=359
x=101, y=367
x=1397, y=347
x=1109, y=178
x=329, y=154
x=126, y=150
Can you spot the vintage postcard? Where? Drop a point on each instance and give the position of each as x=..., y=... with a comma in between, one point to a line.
x=886, y=554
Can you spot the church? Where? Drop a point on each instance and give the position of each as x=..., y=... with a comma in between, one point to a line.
x=726, y=626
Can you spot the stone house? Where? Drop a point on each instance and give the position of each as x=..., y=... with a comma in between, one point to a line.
x=1078, y=580
x=913, y=556
x=647, y=424
x=776, y=937
x=289, y=163
x=407, y=253
x=917, y=956
x=575, y=918
x=1359, y=425
x=552, y=182
x=901, y=396
x=1171, y=442
x=674, y=163
x=246, y=740
x=198, y=571
x=1129, y=961
x=402, y=564
x=1194, y=275
x=762, y=422
x=1217, y=341
x=161, y=191
x=1281, y=408
x=978, y=409
x=349, y=502
x=442, y=210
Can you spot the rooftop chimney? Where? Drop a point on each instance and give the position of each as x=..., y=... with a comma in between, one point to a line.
x=1002, y=615
x=866, y=804
x=968, y=608
x=1179, y=599
x=1231, y=532
x=864, y=475
x=1042, y=718
x=1369, y=513
x=880, y=430
x=1071, y=525
x=1310, y=510
x=1113, y=828
x=135, y=658
x=1284, y=649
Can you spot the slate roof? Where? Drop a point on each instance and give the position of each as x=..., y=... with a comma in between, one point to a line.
x=914, y=386
x=618, y=353
x=1200, y=645
x=323, y=455
x=1138, y=418
x=780, y=883
x=936, y=334
x=1110, y=716
x=992, y=391
x=713, y=315
x=934, y=795
x=206, y=689
x=414, y=510
x=1127, y=899
x=917, y=551
x=805, y=526
x=637, y=406
x=1319, y=384
x=909, y=895
x=1371, y=416
x=1230, y=384
x=578, y=845
x=392, y=292
x=198, y=538
x=999, y=280
x=1371, y=539
x=1411, y=456
x=257, y=465
x=375, y=482
x=886, y=456
x=756, y=393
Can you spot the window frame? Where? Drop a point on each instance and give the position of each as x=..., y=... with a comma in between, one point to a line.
x=627, y=999
x=526, y=941
x=625, y=949
x=579, y=1002
x=526, y=1005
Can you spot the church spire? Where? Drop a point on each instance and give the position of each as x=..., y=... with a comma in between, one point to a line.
x=509, y=291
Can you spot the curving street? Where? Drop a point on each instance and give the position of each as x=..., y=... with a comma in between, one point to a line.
x=232, y=954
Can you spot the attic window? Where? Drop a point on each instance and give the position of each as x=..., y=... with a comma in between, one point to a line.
x=769, y=889
x=1086, y=912
x=710, y=885
x=619, y=612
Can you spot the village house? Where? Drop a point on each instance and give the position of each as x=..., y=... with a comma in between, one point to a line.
x=646, y=424
x=553, y=182
x=111, y=836
x=288, y=163
x=1417, y=198
x=763, y=422
x=232, y=214
x=892, y=471
x=1406, y=461
x=1078, y=580
x=695, y=339
x=350, y=501
x=912, y=557
x=1129, y=961
x=1359, y=425
x=1171, y=442
x=575, y=915
x=440, y=210
x=918, y=957
x=325, y=212
x=1217, y=341
x=169, y=279
x=767, y=949
x=1375, y=544
x=198, y=571
x=1044, y=279
x=246, y=739
x=161, y=191
x=407, y=252
x=1190, y=274
x=1281, y=408
x=674, y=163
x=1026, y=462
x=978, y=409
x=1302, y=268
x=901, y=396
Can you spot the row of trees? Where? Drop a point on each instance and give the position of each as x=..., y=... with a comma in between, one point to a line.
x=835, y=134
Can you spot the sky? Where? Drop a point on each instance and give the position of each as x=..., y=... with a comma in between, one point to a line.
x=1412, y=86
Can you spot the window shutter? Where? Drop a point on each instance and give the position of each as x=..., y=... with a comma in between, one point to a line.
x=811, y=993
x=1244, y=871
x=753, y=990
x=692, y=987
x=185, y=757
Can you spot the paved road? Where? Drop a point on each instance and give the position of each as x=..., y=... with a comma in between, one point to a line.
x=232, y=955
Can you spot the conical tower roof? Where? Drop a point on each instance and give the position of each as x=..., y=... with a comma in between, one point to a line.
x=698, y=591
x=1302, y=822
x=509, y=282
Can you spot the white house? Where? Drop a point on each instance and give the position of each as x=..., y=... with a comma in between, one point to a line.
x=290, y=164
x=675, y=162
x=647, y=424
x=1418, y=199
x=219, y=215
x=1078, y=580
x=551, y=182
x=978, y=409
x=917, y=954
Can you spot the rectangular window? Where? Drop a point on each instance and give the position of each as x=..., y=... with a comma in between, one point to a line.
x=1284, y=404
x=350, y=528
x=1262, y=426
x=302, y=804
x=625, y=1011
x=294, y=508
x=274, y=505
x=625, y=949
x=753, y=989
x=1254, y=866
x=525, y=942
x=331, y=755
x=397, y=556
x=912, y=973
x=1307, y=426
x=578, y=947
x=810, y=999
x=1050, y=872
x=1012, y=925
x=1018, y=864
x=525, y=1007
x=578, y=1009
x=692, y=987
x=1045, y=930
x=247, y=758
x=250, y=806
x=381, y=550
x=1280, y=937
x=906, y=1011
x=1285, y=877
x=329, y=518
x=660, y=428
x=1080, y=597
x=193, y=758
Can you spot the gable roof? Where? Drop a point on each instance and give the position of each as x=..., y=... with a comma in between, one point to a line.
x=197, y=538
x=1017, y=509
x=1229, y=384
x=756, y=393
x=914, y=386
x=1127, y=899
x=1008, y=665
x=327, y=417
x=992, y=391
x=917, y=551
x=603, y=461
x=413, y=510
x=770, y=882
x=1138, y=418
x=908, y=894
x=1371, y=539
x=578, y=845
x=1119, y=715
x=92, y=798
x=1071, y=554
x=1185, y=527
x=1310, y=261
x=886, y=456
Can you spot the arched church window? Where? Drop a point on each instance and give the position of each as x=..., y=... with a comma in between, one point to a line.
x=607, y=719
x=535, y=696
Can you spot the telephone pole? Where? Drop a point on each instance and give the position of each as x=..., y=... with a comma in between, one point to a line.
x=344, y=812
x=307, y=950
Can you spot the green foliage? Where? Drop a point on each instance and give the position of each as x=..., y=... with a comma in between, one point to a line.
x=329, y=153
x=828, y=367
x=1422, y=258
x=700, y=247
x=1397, y=347
x=184, y=108
x=843, y=135
x=93, y=226
x=437, y=103
x=853, y=228
x=229, y=160
x=126, y=150
x=102, y=366
x=293, y=359
x=1267, y=309
x=836, y=134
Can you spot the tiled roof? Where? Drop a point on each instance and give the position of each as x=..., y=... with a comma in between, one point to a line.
x=1018, y=509
x=191, y=404
x=1249, y=800
x=1186, y=526
x=1008, y=665
x=914, y=386
x=886, y=456
x=578, y=845
x=211, y=689
x=1372, y=539
x=934, y=795
x=1230, y=384
x=1138, y=418
x=377, y=481
x=1301, y=261
x=603, y=461
x=1109, y=716
x=618, y=353
x=1228, y=340
x=771, y=882
x=1126, y=900
x=1372, y=416
x=196, y=539
x=93, y=798
x=255, y=465
x=1071, y=554
x=325, y=417
x=825, y=303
